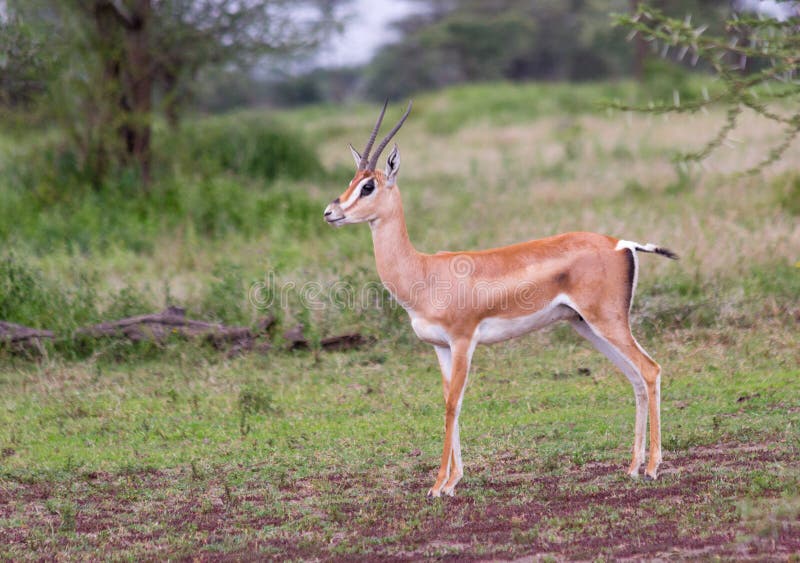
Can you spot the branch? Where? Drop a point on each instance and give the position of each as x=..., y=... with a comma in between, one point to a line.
x=120, y=11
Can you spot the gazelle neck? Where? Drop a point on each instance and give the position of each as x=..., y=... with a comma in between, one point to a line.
x=398, y=262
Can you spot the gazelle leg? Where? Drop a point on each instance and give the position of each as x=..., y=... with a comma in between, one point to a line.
x=618, y=345
x=451, y=469
x=445, y=357
x=446, y=364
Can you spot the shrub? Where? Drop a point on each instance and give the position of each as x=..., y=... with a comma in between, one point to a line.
x=244, y=145
x=128, y=302
x=226, y=300
x=28, y=298
x=219, y=175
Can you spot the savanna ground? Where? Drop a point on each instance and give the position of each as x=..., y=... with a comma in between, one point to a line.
x=176, y=450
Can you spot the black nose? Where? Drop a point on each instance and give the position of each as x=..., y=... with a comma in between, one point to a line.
x=328, y=213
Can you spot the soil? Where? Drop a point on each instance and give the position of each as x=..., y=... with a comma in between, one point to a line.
x=581, y=512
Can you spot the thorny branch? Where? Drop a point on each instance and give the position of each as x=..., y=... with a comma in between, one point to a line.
x=773, y=46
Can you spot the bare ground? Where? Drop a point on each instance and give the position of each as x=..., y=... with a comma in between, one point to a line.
x=694, y=510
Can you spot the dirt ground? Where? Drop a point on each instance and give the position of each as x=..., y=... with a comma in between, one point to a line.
x=694, y=510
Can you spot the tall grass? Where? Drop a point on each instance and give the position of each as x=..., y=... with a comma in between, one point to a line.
x=483, y=165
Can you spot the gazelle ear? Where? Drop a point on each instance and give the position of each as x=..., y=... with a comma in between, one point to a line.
x=356, y=156
x=392, y=166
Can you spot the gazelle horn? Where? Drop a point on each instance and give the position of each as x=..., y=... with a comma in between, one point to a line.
x=374, y=160
x=365, y=155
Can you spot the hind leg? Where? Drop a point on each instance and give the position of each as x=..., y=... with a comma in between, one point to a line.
x=618, y=344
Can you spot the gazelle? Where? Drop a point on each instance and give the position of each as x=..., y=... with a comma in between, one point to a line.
x=457, y=300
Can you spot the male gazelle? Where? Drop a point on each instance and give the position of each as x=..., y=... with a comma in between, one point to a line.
x=457, y=300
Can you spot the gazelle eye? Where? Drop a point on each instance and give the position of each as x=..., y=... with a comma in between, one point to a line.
x=367, y=189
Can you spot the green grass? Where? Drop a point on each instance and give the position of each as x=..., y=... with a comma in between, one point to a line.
x=115, y=450
x=244, y=440
x=349, y=408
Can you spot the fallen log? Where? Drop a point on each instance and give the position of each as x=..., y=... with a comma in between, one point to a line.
x=11, y=333
x=159, y=326
x=296, y=340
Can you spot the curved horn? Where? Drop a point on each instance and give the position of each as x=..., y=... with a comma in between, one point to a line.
x=374, y=160
x=365, y=155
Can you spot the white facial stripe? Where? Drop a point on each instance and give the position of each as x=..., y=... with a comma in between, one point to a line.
x=355, y=195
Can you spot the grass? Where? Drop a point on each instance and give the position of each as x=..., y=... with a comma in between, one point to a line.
x=180, y=452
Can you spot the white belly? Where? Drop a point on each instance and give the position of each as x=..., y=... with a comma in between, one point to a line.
x=430, y=332
x=497, y=329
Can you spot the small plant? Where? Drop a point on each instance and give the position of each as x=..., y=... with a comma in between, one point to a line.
x=128, y=302
x=254, y=399
x=787, y=190
x=225, y=301
x=197, y=472
x=66, y=511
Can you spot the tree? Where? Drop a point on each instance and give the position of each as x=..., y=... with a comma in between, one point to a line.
x=122, y=60
x=773, y=46
x=450, y=41
x=24, y=65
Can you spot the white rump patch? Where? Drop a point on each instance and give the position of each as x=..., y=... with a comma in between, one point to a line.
x=634, y=246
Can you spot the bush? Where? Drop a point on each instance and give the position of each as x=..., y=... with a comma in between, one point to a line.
x=245, y=144
x=226, y=300
x=662, y=79
x=220, y=175
x=128, y=302
x=27, y=297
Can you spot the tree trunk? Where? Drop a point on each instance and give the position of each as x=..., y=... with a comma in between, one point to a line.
x=123, y=45
x=171, y=100
x=139, y=87
x=100, y=149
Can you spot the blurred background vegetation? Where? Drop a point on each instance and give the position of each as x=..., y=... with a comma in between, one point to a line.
x=98, y=89
x=160, y=153
x=127, y=126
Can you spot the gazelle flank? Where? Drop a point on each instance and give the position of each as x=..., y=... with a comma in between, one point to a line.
x=457, y=300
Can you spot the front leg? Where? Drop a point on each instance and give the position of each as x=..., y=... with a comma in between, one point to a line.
x=445, y=358
x=451, y=469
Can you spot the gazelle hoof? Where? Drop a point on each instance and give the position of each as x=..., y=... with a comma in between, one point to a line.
x=433, y=493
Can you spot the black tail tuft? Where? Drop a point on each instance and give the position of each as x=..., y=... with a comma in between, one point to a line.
x=666, y=252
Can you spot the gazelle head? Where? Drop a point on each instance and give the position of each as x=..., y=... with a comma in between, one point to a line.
x=370, y=194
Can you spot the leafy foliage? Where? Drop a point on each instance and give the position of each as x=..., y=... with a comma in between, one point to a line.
x=24, y=64
x=29, y=297
x=467, y=40
x=250, y=146
x=120, y=63
x=771, y=46
x=217, y=176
